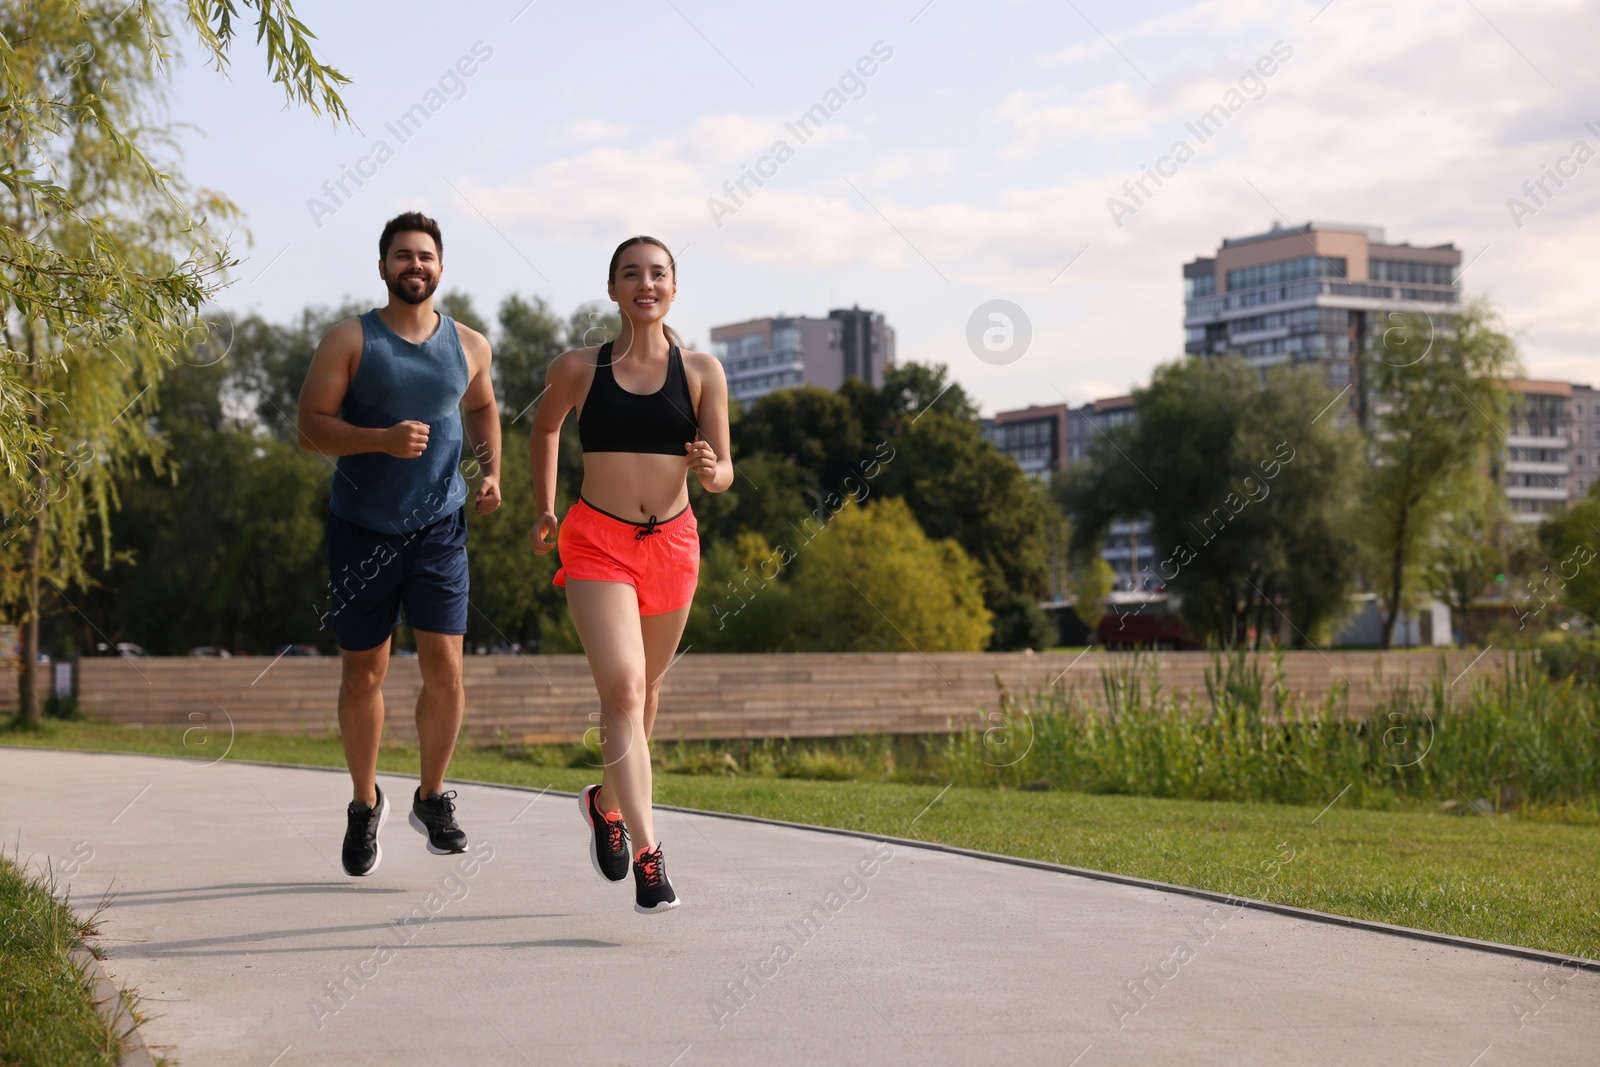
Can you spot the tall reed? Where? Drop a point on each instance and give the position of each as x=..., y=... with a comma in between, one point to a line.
x=1515, y=738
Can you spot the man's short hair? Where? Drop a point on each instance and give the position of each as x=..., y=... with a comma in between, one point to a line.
x=410, y=222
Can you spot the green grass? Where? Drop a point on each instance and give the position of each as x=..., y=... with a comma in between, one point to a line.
x=47, y=1012
x=1519, y=739
x=1525, y=879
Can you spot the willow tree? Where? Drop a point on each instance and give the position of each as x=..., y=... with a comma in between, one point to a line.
x=1438, y=402
x=107, y=258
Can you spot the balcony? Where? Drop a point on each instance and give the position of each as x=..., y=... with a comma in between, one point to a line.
x=1531, y=492
x=1525, y=467
x=1527, y=440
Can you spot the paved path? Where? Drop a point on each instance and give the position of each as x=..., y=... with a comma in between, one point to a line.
x=250, y=946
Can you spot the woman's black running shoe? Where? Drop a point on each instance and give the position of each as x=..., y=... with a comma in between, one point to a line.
x=434, y=817
x=362, y=853
x=608, y=838
x=652, y=892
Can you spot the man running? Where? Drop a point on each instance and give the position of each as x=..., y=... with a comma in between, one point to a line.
x=390, y=393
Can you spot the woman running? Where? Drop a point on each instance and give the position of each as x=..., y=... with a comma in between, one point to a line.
x=648, y=414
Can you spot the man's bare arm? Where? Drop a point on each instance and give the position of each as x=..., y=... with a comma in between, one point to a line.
x=318, y=422
x=480, y=419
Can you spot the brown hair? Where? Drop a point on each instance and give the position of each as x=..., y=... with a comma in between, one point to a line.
x=611, y=273
x=411, y=222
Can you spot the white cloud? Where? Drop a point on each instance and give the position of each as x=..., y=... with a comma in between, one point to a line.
x=590, y=131
x=1421, y=118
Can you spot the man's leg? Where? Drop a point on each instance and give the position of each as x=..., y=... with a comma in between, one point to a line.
x=440, y=705
x=361, y=716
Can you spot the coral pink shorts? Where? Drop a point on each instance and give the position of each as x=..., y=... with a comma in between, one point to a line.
x=661, y=560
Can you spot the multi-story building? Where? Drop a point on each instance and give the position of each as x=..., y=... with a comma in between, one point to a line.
x=1036, y=437
x=1552, y=449
x=1537, y=465
x=1052, y=438
x=763, y=355
x=1319, y=293
x=1585, y=439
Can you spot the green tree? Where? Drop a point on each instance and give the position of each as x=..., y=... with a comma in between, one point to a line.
x=1091, y=580
x=105, y=258
x=916, y=438
x=512, y=598
x=872, y=581
x=459, y=306
x=1470, y=546
x=218, y=543
x=1433, y=416
x=79, y=82
x=911, y=388
x=823, y=433
x=1570, y=543
x=959, y=486
x=592, y=323
x=1245, y=489
x=268, y=361
x=744, y=602
x=529, y=337
x=769, y=497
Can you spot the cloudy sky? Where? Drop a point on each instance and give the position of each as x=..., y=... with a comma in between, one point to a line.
x=973, y=163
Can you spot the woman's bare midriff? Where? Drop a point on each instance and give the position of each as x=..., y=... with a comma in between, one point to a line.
x=636, y=485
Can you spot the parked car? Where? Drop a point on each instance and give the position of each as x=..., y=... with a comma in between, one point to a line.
x=298, y=650
x=210, y=652
x=123, y=648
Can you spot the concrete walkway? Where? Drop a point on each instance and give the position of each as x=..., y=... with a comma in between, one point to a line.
x=250, y=946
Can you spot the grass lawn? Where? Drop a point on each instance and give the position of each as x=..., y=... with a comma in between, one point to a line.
x=1522, y=881
x=47, y=1014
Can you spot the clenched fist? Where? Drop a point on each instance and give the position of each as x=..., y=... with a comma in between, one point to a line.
x=702, y=460
x=406, y=440
x=544, y=526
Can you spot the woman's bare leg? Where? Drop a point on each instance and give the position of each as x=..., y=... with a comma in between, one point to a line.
x=606, y=615
x=661, y=636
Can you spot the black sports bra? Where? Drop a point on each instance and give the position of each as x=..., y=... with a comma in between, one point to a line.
x=615, y=420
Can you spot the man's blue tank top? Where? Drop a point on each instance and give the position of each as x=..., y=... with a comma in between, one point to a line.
x=398, y=381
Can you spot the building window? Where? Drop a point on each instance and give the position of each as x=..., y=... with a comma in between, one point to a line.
x=1406, y=273
x=1204, y=285
x=1287, y=270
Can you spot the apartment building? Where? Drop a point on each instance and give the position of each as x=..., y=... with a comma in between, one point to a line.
x=764, y=355
x=1047, y=438
x=1317, y=293
x=1585, y=428
x=1552, y=450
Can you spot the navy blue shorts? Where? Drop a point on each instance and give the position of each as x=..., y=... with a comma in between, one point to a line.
x=372, y=574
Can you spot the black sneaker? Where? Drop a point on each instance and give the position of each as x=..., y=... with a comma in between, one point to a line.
x=608, y=838
x=435, y=819
x=362, y=853
x=651, y=890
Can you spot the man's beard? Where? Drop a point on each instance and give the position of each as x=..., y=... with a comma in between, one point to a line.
x=397, y=287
